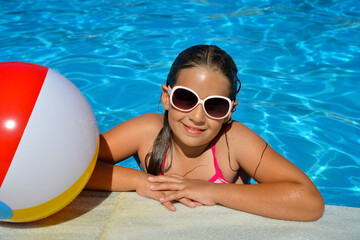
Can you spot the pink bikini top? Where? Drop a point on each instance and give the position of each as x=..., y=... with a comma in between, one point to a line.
x=218, y=177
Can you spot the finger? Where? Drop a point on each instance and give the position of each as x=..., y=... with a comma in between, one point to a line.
x=165, y=187
x=188, y=202
x=171, y=197
x=169, y=206
x=173, y=178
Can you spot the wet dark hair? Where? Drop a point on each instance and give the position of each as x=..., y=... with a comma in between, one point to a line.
x=206, y=56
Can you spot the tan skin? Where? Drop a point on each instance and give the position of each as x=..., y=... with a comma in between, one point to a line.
x=283, y=192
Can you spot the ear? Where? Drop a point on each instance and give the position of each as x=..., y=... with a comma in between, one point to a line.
x=165, y=98
x=228, y=118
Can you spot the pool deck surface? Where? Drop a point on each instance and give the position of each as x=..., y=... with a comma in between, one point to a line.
x=105, y=215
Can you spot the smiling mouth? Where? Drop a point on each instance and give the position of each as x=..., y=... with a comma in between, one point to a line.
x=192, y=130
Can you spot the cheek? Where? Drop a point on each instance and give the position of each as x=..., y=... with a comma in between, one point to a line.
x=215, y=126
x=174, y=117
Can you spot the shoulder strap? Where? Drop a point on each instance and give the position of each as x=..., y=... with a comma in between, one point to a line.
x=217, y=169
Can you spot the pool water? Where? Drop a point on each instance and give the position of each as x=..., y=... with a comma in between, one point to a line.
x=299, y=64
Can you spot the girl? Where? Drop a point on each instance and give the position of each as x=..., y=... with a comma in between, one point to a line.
x=197, y=155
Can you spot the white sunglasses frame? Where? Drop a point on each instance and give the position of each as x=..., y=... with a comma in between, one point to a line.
x=200, y=101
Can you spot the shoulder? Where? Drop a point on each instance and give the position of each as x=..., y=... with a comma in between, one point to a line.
x=149, y=123
x=245, y=143
x=130, y=136
x=151, y=118
x=241, y=133
x=142, y=125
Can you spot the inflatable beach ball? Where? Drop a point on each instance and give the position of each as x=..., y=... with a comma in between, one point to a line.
x=48, y=142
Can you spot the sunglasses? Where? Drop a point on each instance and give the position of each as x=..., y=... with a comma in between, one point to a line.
x=185, y=99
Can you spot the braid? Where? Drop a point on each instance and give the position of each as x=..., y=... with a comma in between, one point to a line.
x=154, y=159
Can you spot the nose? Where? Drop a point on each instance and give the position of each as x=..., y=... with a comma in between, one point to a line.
x=197, y=115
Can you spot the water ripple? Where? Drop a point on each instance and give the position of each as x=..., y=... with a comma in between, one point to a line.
x=298, y=62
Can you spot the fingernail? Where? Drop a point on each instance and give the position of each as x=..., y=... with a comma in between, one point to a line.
x=162, y=199
x=150, y=178
x=152, y=187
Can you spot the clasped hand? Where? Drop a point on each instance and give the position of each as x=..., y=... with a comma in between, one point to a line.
x=190, y=192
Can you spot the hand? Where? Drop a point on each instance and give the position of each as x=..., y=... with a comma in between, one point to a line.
x=144, y=191
x=180, y=188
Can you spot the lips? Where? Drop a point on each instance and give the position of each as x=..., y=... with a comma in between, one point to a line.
x=193, y=130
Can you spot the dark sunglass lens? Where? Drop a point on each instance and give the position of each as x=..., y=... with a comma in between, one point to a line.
x=184, y=99
x=217, y=107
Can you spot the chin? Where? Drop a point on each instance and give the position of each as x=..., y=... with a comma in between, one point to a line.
x=195, y=141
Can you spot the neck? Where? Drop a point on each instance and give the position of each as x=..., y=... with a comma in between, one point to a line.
x=188, y=151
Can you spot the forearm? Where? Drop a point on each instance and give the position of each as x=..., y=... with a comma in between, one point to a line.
x=111, y=177
x=285, y=200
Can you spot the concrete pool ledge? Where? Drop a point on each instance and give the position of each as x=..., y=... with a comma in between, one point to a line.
x=104, y=215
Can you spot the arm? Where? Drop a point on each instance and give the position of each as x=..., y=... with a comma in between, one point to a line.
x=124, y=140
x=283, y=192
x=117, y=144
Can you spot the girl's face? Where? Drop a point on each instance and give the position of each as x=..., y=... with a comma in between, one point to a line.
x=195, y=128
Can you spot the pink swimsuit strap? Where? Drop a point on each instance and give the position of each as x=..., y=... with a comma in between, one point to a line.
x=217, y=178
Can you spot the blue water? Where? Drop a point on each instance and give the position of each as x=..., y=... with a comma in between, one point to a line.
x=299, y=63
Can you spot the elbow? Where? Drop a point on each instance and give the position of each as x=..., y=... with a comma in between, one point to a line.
x=317, y=208
x=314, y=212
x=307, y=204
x=314, y=205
